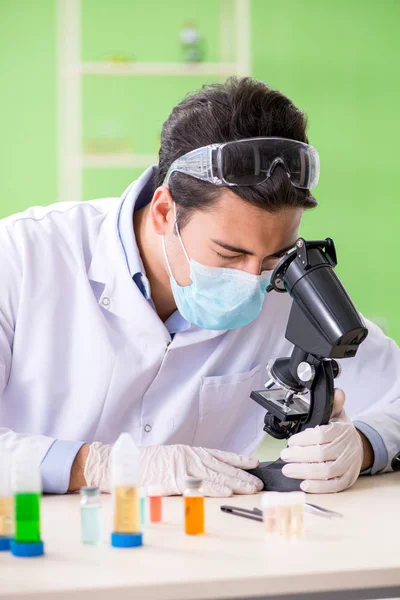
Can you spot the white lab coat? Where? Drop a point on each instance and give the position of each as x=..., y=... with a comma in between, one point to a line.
x=83, y=355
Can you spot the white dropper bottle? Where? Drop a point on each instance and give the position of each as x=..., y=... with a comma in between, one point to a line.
x=125, y=485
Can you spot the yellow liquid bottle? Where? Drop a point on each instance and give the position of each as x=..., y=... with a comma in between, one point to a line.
x=125, y=484
x=6, y=511
x=194, y=507
x=127, y=510
x=6, y=501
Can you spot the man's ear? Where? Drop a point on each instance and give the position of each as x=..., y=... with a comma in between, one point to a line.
x=162, y=210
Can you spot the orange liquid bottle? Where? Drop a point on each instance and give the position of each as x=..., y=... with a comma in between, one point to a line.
x=155, y=494
x=194, y=507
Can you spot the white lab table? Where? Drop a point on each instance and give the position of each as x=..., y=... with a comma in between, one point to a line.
x=354, y=557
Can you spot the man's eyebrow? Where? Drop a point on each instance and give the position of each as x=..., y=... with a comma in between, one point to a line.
x=233, y=248
x=286, y=249
x=248, y=252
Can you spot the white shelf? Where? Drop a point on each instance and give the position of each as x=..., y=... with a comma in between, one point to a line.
x=118, y=161
x=234, y=37
x=160, y=69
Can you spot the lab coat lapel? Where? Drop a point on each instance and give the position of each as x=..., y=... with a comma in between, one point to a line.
x=121, y=295
x=195, y=335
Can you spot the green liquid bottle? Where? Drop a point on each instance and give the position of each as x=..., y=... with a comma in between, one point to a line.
x=27, y=488
x=27, y=517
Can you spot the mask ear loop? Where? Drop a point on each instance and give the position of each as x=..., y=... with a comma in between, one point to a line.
x=179, y=235
x=166, y=257
x=180, y=239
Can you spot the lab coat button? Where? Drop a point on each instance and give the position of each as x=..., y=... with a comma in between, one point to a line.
x=106, y=301
x=147, y=428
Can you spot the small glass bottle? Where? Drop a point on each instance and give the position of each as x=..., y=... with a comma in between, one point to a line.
x=143, y=497
x=269, y=504
x=191, y=43
x=90, y=515
x=290, y=513
x=194, y=507
x=27, y=489
x=284, y=514
x=6, y=501
x=298, y=500
x=155, y=494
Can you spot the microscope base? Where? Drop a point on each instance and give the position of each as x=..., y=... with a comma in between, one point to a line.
x=274, y=480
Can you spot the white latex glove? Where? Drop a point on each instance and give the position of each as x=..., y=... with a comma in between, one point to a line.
x=169, y=466
x=327, y=457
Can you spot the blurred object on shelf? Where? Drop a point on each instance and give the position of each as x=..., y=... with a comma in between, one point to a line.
x=192, y=43
x=118, y=57
x=110, y=138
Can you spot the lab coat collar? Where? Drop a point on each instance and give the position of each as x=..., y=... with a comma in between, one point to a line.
x=100, y=269
x=138, y=195
x=120, y=295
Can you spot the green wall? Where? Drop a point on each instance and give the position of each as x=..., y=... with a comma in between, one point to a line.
x=28, y=145
x=337, y=60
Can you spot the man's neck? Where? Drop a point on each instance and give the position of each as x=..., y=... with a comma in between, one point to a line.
x=149, y=244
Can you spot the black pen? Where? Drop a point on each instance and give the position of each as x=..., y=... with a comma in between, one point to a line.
x=242, y=512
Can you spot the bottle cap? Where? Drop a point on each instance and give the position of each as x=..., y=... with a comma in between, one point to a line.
x=126, y=540
x=192, y=482
x=270, y=499
x=4, y=543
x=154, y=491
x=297, y=498
x=89, y=490
x=26, y=549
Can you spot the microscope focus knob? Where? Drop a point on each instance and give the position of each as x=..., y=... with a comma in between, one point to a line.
x=337, y=369
x=305, y=372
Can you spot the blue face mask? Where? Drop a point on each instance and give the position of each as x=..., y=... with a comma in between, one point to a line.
x=218, y=298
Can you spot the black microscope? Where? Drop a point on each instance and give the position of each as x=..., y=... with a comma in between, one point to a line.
x=323, y=325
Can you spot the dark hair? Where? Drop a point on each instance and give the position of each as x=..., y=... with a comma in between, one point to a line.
x=237, y=109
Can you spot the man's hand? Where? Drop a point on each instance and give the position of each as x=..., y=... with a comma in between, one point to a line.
x=368, y=452
x=328, y=458
x=222, y=472
x=77, y=479
x=169, y=467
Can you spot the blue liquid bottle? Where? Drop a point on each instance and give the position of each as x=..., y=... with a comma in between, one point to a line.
x=90, y=515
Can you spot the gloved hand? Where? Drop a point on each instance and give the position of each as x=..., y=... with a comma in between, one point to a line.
x=169, y=466
x=327, y=457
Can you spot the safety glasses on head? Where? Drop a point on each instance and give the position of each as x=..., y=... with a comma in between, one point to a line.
x=250, y=162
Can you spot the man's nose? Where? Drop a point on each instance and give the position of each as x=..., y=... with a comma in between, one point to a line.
x=254, y=265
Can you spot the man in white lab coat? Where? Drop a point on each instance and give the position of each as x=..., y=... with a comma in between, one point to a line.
x=148, y=314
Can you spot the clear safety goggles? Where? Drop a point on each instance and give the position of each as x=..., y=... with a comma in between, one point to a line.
x=250, y=162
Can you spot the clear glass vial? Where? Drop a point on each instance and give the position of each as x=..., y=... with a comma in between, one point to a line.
x=298, y=500
x=269, y=505
x=290, y=514
x=194, y=507
x=90, y=515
